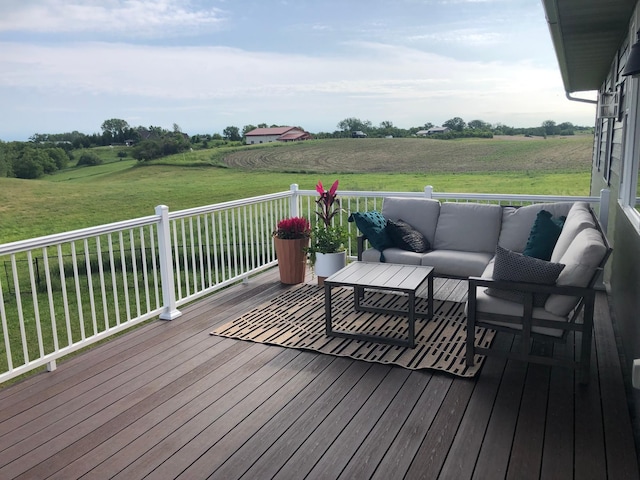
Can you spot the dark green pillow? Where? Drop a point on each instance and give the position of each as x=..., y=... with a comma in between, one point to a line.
x=406, y=237
x=543, y=236
x=373, y=226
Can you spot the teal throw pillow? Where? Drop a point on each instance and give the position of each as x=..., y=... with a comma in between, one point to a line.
x=373, y=226
x=543, y=236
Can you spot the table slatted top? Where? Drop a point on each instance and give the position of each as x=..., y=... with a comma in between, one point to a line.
x=381, y=275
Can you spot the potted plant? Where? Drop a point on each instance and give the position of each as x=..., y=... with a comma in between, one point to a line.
x=291, y=239
x=327, y=250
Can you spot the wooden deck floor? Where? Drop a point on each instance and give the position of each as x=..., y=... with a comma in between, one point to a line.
x=170, y=401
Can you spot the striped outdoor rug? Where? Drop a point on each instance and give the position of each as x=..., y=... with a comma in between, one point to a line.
x=296, y=319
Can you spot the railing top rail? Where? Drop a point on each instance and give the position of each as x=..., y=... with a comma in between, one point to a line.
x=465, y=196
x=57, y=238
x=226, y=205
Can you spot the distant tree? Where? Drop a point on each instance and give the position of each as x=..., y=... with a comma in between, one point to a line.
x=549, y=127
x=89, y=159
x=456, y=124
x=176, y=128
x=114, y=130
x=263, y=125
x=232, y=133
x=33, y=163
x=351, y=124
x=565, y=128
x=248, y=128
x=479, y=125
x=216, y=136
x=59, y=157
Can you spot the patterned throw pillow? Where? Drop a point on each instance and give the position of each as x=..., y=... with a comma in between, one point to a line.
x=544, y=235
x=406, y=237
x=515, y=267
x=373, y=226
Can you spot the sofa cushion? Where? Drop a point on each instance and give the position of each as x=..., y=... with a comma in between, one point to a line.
x=406, y=237
x=493, y=305
x=515, y=267
x=421, y=213
x=582, y=258
x=517, y=222
x=544, y=235
x=454, y=263
x=373, y=226
x=468, y=227
x=405, y=257
x=578, y=218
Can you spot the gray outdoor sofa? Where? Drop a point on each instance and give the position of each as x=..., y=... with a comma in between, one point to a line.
x=508, y=291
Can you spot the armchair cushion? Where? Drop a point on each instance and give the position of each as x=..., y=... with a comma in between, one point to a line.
x=578, y=218
x=515, y=267
x=582, y=258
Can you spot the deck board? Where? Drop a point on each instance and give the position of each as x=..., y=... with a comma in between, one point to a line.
x=167, y=400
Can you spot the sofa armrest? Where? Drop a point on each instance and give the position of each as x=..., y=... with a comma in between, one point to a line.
x=361, y=239
x=524, y=287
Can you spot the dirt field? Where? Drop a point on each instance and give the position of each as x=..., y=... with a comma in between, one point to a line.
x=420, y=155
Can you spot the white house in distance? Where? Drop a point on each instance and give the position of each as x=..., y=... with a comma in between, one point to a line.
x=273, y=134
x=432, y=130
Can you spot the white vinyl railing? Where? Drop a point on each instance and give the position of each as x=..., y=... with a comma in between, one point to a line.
x=64, y=292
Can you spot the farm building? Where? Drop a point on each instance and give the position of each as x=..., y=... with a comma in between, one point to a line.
x=273, y=134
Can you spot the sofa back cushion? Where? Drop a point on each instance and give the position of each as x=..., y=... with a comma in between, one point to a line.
x=582, y=258
x=578, y=219
x=517, y=222
x=468, y=227
x=421, y=213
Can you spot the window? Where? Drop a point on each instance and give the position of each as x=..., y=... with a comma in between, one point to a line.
x=630, y=186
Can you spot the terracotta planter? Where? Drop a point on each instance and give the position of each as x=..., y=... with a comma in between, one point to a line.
x=292, y=259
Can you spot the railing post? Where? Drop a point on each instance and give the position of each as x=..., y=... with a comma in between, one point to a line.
x=605, y=197
x=428, y=191
x=293, y=201
x=166, y=265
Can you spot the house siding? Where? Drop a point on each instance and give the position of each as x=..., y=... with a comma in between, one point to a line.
x=622, y=275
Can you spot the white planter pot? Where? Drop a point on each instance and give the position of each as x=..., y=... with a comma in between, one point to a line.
x=329, y=263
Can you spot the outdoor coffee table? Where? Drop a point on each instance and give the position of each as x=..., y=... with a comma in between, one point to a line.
x=408, y=280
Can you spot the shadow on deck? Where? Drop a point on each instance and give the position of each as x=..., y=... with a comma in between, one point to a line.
x=168, y=400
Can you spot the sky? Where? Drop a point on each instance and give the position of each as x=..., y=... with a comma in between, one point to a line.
x=69, y=65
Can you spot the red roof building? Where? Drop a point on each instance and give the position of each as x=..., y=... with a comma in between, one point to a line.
x=273, y=134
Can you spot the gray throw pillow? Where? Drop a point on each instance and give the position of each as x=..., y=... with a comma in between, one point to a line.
x=515, y=267
x=406, y=237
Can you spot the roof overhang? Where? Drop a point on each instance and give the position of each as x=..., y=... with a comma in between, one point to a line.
x=586, y=35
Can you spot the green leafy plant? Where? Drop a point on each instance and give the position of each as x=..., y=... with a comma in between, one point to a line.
x=327, y=237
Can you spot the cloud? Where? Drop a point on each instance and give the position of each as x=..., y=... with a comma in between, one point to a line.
x=206, y=88
x=124, y=17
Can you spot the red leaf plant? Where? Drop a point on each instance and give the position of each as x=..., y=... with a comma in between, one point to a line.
x=328, y=203
x=292, y=228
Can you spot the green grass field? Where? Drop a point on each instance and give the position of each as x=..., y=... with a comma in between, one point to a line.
x=121, y=189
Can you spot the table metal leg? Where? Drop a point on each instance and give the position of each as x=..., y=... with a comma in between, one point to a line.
x=327, y=308
x=412, y=320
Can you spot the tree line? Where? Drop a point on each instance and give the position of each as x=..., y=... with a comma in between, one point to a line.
x=46, y=153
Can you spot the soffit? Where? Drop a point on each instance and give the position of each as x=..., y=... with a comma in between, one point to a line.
x=586, y=35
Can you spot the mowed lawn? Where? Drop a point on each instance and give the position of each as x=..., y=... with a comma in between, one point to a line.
x=87, y=196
